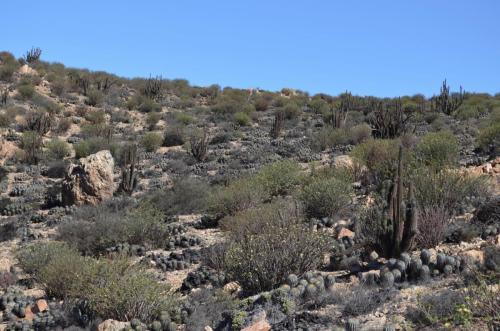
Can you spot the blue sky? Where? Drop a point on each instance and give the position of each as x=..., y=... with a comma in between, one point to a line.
x=382, y=48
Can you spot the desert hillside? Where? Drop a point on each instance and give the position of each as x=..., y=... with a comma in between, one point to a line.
x=152, y=204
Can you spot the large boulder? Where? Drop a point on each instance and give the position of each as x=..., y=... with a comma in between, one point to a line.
x=90, y=181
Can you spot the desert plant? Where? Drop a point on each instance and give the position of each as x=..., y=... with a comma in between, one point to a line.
x=339, y=114
x=278, y=124
x=389, y=119
x=151, y=141
x=325, y=197
x=261, y=259
x=438, y=150
x=26, y=91
x=3, y=96
x=58, y=149
x=94, y=97
x=447, y=102
x=432, y=225
x=489, y=139
x=153, y=88
x=129, y=174
x=31, y=144
x=39, y=121
x=279, y=178
x=173, y=137
x=152, y=119
x=198, y=142
x=242, y=118
x=33, y=55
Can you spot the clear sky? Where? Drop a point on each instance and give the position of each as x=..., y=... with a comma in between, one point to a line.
x=382, y=48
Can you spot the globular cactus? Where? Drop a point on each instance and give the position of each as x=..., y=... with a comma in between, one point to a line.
x=352, y=325
x=329, y=281
x=425, y=273
x=311, y=291
x=448, y=269
x=425, y=256
x=401, y=266
x=406, y=258
x=415, y=267
x=440, y=261
x=292, y=280
x=387, y=279
x=397, y=275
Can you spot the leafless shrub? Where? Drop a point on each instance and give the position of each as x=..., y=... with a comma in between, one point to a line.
x=432, y=225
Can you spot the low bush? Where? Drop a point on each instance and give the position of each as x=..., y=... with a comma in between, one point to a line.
x=63, y=126
x=438, y=150
x=58, y=149
x=93, y=145
x=184, y=119
x=187, y=196
x=5, y=121
x=380, y=156
x=280, y=178
x=151, y=141
x=26, y=91
x=173, y=137
x=328, y=137
x=242, y=119
x=143, y=225
x=239, y=195
x=152, y=120
x=148, y=106
x=112, y=288
x=31, y=144
x=94, y=98
x=291, y=110
x=489, y=139
x=269, y=244
x=325, y=197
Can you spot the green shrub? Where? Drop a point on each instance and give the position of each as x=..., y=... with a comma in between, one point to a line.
x=5, y=121
x=151, y=141
x=489, y=138
x=64, y=125
x=239, y=195
x=359, y=133
x=96, y=117
x=268, y=244
x=58, y=149
x=438, y=150
x=8, y=67
x=102, y=130
x=291, y=110
x=380, y=156
x=325, y=197
x=279, y=178
x=319, y=106
x=242, y=119
x=112, y=288
x=183, y=118
x=148, y=106
x=26, y=91
x=93, y=145
x=328, y=137
x=152, y=119
x=94, y=98
x=104, y=228
x=31, y=144
x=173, y=136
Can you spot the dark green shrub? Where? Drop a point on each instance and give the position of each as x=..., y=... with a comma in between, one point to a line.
x=5, y=121
x=489, y=138
x=58, y=149
x=151, y=141
x=93, y=145
x=152, y=119
x=183, y=118
x=8, y=67
x=438, y=150
x=291, y=110
x=148, y=106
x=325, y=197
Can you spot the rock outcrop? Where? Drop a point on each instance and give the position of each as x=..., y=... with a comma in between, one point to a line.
x=90, y=181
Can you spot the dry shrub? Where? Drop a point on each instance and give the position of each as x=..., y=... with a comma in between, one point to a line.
x=432, y=224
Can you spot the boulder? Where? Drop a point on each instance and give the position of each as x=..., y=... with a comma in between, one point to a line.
x=41, y=305
x=90, y=181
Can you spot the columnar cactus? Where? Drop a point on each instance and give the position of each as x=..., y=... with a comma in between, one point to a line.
x=400, y=218
x=447, y=102
x=129, y=175
x=279, y=120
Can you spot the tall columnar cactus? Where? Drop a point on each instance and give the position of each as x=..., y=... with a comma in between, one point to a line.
x=4, y=96
x=129, y=174
x=199, y=145
x=400, y=217
x=339, y=114
x=279, y=120
x=33, y=55
x=447, y=102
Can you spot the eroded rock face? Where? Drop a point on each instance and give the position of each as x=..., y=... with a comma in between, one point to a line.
x=90, y=181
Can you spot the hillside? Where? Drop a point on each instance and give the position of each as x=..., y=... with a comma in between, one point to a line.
x=151, y=204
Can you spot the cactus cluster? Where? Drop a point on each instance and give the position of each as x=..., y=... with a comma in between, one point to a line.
x=176, y=261
x=183, y=241
x=200, y=277
x=15, y=208
x=447, y=102
x=175, y=229
x=307, y=287
x=163, y=323
x=127, y=249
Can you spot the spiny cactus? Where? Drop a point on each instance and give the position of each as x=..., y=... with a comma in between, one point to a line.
x=33, y=55
x=389, y=120
x=400, y=219
x=339, y=114
x=352, y=325
x=279, y=120
x=199, y=145
x=153, y=88
x=4, y=96
x=447, y=102
x=129, y=175
x=39, y=121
